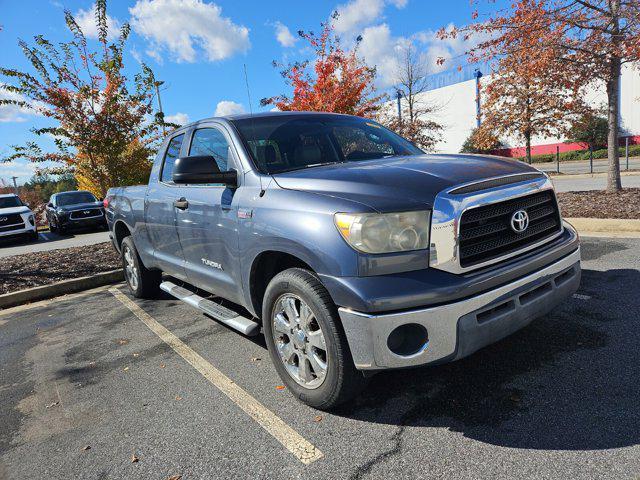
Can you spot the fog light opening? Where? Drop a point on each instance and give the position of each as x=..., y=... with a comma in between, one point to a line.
x=408, y=339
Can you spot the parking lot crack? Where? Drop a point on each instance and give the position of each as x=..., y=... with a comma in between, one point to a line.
x=395, y=449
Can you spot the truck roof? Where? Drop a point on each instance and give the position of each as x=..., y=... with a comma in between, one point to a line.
x=243, y=116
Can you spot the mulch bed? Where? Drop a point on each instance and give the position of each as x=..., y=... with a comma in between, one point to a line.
x=600, y=204
x=42, y=268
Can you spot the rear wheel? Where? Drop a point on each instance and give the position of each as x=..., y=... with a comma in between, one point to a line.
x=306, y=342
x=142, y=282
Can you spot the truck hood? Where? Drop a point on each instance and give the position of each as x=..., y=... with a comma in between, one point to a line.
x=8, y=211
x=400, y=182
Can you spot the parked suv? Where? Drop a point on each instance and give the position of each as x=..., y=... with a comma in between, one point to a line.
x=77, y=209
x=349, y=247
x=16, y=218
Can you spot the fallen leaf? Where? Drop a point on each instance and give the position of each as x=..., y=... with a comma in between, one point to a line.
x=136, y=354
x=317, y=418
x=162, y=365
x=515, y=397
x=178, y=397
x=87, y=447
x=280, y=387
x=255, y=359
x=51, y=405
x=134, y=459
x=175, y=477
x=126, y=368
x=123, y=341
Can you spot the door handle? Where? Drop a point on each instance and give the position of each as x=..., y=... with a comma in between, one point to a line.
x=181, y=204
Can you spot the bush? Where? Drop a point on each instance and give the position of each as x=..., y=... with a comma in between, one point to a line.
x=576, y=155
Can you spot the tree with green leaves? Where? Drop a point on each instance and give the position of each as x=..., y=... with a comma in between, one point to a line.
x=591, y=130
x=104, y=129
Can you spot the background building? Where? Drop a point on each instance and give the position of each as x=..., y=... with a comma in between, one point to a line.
x=453, y=93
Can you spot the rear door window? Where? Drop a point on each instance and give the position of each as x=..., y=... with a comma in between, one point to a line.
x=170, y=157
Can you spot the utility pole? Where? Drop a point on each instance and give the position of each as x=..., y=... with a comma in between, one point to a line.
x=15, y=185
x=478, y=74
x=157, y=84
x=398, y=97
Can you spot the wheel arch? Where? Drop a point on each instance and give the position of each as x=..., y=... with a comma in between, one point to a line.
x=264, y=267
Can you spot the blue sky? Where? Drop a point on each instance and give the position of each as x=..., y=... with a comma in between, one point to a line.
x=199, y=47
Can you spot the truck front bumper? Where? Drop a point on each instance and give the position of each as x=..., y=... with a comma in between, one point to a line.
x=454, y=330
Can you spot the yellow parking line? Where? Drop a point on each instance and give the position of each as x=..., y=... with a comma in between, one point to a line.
x=303, y=450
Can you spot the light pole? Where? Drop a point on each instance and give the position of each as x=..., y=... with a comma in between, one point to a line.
x=398, y=97
x=478, y=74
x=157, y=84
x=15, y=185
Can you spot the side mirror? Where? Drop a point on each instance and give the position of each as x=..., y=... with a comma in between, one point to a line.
x=201, y=169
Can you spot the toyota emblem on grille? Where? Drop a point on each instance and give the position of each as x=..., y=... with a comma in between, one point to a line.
x=519, y=221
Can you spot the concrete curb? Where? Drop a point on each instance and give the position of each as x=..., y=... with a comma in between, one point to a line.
x=60, y=288
x=606, y=227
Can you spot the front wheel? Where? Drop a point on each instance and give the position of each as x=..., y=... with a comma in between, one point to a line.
x=142, y=282
x=306, y=342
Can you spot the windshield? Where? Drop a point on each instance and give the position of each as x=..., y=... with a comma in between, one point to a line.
x=10, y=202
x=74, y=198
x=282, y=143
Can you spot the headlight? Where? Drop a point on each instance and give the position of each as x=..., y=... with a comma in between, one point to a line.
x=385, y=232
x=32, y=220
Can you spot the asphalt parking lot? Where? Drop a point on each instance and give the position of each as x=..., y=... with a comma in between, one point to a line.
x=100, y=386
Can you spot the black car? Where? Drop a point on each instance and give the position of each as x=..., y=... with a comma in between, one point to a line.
x=70, y=210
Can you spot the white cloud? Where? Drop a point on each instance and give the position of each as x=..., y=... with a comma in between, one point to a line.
x=184, y=27
x=357, y=14
x=136, y=55
x=380, y=49
x=86, y=20
x=284, y=36
x=227, y=107
x=13, y=113
x=179, y=118
x=22, y=169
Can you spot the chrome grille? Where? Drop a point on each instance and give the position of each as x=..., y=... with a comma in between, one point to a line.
x=486, y=233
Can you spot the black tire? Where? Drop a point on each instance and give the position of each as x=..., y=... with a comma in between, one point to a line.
x=147, y=282
x=342, y=380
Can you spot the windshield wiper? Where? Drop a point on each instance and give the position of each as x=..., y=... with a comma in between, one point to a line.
x=313, y=165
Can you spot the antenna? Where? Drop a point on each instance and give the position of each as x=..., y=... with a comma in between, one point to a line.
x=246, y=81
x=252, y=147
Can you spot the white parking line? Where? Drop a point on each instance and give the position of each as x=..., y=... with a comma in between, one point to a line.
x=302, y=449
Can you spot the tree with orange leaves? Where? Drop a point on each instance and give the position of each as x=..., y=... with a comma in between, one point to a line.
x=590, y=40
x=102, y=130
x=340, y=81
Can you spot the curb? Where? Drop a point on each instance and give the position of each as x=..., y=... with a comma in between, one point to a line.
x=606, y=227
x=60, y=288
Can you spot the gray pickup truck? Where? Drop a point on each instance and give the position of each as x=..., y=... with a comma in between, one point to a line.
x=349, y=247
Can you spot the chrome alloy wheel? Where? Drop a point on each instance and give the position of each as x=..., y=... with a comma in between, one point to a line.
x=299, y=340
x=130, y=269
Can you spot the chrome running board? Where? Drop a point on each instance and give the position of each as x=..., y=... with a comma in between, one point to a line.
x=222, y=314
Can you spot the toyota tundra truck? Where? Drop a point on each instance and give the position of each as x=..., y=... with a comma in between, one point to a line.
x=349, y=248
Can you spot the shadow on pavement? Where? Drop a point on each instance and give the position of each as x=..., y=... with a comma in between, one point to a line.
x=569, y=381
